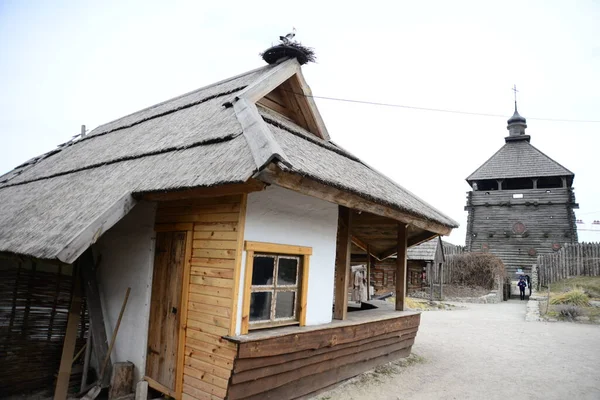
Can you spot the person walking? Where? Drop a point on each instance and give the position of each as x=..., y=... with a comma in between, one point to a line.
x=522, y=285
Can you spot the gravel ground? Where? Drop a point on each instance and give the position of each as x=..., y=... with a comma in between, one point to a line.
x=488, y=351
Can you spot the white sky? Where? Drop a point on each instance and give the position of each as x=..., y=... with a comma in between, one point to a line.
x=66, y=64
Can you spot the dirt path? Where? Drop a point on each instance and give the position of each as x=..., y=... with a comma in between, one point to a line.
x=488, y=351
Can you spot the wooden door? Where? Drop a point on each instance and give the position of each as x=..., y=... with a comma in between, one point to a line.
x=163, y=330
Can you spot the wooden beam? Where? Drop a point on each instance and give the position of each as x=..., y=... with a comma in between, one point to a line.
x=183, y=306
x=269, y=81
x=274, y=175
x=251, y=185
x=262, y=143
x=342, y=263
x=264, y=247
x=92, y=295
x=96, y=228
x=360, y=243
x=64, y=372
x=241, y=226
x=314, y=111
x=370, y=263
x=304, y=289
x=413, y=241
x=401, y=268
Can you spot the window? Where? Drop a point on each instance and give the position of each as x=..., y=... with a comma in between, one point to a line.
x=274, y=290
x=518, y=196
x=275, y=285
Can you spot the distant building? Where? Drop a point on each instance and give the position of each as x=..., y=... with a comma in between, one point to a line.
x=521, y=203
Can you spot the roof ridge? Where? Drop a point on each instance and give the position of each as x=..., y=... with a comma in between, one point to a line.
x=122, y=159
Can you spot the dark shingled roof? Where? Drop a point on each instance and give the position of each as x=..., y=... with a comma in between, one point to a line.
x=518, y=159
x=189, y=141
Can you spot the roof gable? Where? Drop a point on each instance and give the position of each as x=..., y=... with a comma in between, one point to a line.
x=55, y=205
x=518, y=159
x=285, y=91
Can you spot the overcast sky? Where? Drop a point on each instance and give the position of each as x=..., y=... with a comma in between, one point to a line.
x=63, y=64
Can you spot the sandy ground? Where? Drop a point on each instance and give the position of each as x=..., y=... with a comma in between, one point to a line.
x=489, y=351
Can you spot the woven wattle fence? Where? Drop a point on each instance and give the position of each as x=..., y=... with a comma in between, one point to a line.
x=580, y=259
x=34, y=306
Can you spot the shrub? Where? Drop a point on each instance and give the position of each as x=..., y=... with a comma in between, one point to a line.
x=476, y=269
x=568, y=311
x=576, y=297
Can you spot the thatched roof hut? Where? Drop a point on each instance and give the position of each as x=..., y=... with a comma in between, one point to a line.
x=194, y=140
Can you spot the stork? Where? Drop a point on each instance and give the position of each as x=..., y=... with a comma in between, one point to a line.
x=287, y=39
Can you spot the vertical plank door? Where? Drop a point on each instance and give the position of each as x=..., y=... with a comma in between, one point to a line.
x=163, y=331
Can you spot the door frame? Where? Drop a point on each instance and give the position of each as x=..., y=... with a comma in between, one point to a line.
x=183, y=307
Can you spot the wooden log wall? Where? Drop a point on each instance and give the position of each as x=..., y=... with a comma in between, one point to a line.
x=216, y=224
x=546, y=213
x=295, y=365
x=34, y=306
x=580, y=259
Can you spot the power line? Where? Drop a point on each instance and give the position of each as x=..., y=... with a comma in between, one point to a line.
x=374, y=103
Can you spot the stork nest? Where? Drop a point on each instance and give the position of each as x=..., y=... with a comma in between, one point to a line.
x=292, y=50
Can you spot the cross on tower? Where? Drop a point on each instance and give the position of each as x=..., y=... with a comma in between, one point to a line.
x=514, y=89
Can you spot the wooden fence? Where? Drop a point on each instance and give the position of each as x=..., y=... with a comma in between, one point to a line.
x=34, y=305
x=450, y=253
x=571, y=260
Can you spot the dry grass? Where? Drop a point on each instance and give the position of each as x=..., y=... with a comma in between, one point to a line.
x=576, y=297
x=589, y=284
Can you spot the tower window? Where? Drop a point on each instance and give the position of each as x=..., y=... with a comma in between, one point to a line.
x=550, y=182
x=517, y=184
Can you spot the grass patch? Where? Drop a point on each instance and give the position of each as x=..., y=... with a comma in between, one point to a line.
x=589, y=284
x=415, y=304
x=575, y=297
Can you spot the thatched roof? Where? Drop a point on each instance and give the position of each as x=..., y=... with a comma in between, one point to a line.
x=190, y=141
x=518, y=159
x=425, y=251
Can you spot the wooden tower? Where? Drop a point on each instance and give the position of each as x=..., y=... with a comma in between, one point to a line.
x=521, y=203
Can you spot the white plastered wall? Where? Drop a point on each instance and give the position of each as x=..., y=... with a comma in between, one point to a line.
x=278, y=215
x=127, y=252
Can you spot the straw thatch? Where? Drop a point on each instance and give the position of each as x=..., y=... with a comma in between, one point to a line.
x=425, y=251
x=333, y=166
x=190, y=141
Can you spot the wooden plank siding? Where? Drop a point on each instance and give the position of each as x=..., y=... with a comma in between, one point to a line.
x=215, y=226
x=295, y=365
x=546, y=213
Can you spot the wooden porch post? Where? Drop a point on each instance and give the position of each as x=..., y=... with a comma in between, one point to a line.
x=369, y=266
x=441, y=281
x=342, y=263
x=430, y=279
x=401, y=267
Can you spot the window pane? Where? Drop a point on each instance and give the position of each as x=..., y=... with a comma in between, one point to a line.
x=287, y=271
x=262, y=271
x=285, y=304
x=260, y=306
